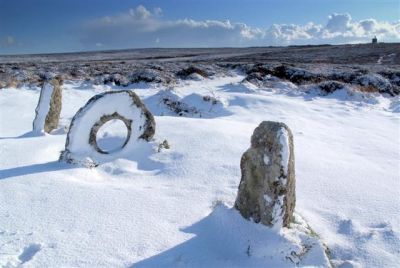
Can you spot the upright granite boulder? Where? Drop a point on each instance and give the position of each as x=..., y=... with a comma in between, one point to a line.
x=49, y=106
x=267, y=187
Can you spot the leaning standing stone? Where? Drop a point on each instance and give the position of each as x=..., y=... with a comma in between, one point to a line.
x=49, y=106
x=267, y=187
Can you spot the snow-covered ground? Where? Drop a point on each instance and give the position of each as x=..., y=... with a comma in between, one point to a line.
x=174, y=207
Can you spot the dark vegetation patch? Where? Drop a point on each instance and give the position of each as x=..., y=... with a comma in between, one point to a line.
x=387, y=82
x=184, y=73
x=356, y=65
x=211, y=99
x=328, y=87
x=178, y=107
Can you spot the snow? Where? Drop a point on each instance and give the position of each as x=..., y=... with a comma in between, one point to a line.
x=267, y=199
x=376, y=80
x=266, y=159
x=157, y=209
x=284, y=141
x=390, y=58
x=277, y=214
x=112, y=135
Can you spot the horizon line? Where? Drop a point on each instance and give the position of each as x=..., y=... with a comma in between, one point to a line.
x=150, y=48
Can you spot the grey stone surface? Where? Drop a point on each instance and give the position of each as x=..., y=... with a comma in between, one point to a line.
x=267, y=188
x=104, y=119
x=53, y=116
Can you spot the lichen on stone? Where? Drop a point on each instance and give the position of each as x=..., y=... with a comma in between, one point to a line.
x=267, y=188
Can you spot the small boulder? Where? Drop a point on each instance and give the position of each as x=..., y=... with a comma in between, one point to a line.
x=267, y=187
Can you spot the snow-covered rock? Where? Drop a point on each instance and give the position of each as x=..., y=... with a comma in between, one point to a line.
x=81, y=145
x=48, y=109
x=376, y=82
x=169, y=102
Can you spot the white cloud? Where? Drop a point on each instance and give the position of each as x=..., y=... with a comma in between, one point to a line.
x=341, y=27
x=140, y=12
x=7, y=41
x=339, y=23
x=139, y=27
x=157, y=11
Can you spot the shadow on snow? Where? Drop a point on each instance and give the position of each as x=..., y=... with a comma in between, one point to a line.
x=34, y=169
x=223, y=239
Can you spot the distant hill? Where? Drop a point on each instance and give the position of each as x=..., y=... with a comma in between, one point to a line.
x=331, y=54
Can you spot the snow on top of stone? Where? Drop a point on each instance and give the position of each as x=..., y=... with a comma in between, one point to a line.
x=266, y=159
x=285, y=154
x=43, y=107
x=277, y=213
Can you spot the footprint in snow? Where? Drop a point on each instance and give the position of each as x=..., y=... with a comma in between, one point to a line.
x=347, y=264
x=29, y=252
x=346, y=227
x=350, y=227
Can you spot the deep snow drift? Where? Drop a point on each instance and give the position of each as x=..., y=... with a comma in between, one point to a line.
x=174, y=207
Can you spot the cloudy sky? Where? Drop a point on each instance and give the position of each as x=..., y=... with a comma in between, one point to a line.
x=47, y=26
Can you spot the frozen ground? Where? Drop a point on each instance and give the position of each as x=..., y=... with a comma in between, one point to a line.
x=164, y=208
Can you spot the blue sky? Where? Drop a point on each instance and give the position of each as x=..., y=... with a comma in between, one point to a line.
x=46, y=26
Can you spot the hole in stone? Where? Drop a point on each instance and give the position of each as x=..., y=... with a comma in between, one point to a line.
x=112, y=135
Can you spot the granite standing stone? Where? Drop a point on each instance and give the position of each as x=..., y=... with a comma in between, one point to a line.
x=48, y=110
x=267, y=188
